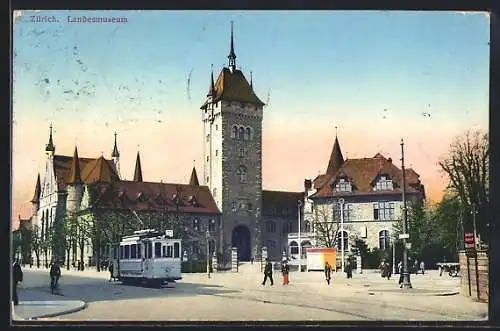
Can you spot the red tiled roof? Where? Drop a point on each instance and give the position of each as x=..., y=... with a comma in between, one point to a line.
x=362, y=174
x=91, y=170
x=276, y=201
x=148, y=196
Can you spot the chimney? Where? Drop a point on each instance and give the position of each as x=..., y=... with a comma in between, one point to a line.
x=390, y=159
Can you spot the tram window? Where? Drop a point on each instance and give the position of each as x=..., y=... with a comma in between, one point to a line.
x=157, y=249
x=139, y=255
x=127, y=251
x=122, y=255
x=177, y=249
x=149, y=250
x=164, y=251
x=169, y=251
x=133, y=251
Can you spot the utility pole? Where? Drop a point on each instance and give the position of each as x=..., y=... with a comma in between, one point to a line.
x=299, y=205
x=341, y=202
x=406, y=276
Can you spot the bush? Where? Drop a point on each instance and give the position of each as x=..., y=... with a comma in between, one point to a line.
x=194, y=266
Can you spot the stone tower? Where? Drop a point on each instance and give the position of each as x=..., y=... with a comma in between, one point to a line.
x=116, y=157
x=232, y=131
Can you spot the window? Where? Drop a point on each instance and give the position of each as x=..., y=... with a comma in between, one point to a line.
x=216, y=127
x=243, y=152
x=241, y=133
x=149, y=250
x=208, y=158
x=305, y=245
x=339, y=241
x=122, y=252
x=242, y=174
x=287, y=227
x=383, y=211
x=177, y=250
x=196, y=225
x=139, y=253
x=348, y=212
x=248, y=134
x=127, y=251
x=233, y=206
x=170, y=251
x=216, y=152
x=234, y=132
x=196, y=248
x=133, y=251
x=271, y=226
x=211, y=225
x=249, y=206
x=294, y=248
x=307, y=226
x=157, y=250
x=384, y=240
x=164, y=251
x=383, y=184
x=343, y=186
x=208, y=179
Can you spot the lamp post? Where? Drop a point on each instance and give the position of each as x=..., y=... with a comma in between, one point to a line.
x=473, y=212
x=207, y=236
x=393, y=255
x=299, y=205
x=341, y=203
x=406, y=277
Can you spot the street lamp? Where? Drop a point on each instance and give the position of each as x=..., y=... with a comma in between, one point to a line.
x=207, y=236
x=341, y=202
x=474, y=212
x=406, y=277
x=299, y=205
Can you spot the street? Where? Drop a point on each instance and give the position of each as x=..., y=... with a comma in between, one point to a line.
x=241, y=297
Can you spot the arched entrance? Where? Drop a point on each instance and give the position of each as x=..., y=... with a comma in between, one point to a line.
x=241, y=240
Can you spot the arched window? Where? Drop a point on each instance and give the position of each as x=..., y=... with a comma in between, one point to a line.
x=234, y=132
x=242, y=174
x=241, y=133
x=307, y=226
x=294, y=248
x=305, y=245
x=384, y=241
x=248, y=133
x=271, y=226
x=339, y=241
x=211, y=225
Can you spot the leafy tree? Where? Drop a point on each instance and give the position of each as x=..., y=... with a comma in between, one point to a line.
x=467, y=167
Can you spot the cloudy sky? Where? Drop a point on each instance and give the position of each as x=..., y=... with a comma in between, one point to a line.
x=377, y=76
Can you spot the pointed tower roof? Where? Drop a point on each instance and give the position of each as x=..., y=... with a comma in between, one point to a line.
x=138, y=170
x=115, y=150
x=251, y=80
x=211, y=89
x=193, y=181
x=38, y=189
x=232, y=54
x=50, y=147
x=74, y=170
x=336, y=158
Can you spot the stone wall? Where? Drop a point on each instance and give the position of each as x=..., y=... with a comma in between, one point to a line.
x=474, y=280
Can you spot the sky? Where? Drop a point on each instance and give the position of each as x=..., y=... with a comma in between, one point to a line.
x=378, y=76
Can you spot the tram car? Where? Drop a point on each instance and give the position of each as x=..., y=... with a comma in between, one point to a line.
x=147, y=257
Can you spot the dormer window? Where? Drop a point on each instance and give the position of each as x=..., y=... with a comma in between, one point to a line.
x=343, y=186
x=384, y=183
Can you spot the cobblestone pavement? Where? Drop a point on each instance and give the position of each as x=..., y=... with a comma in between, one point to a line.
x=241, y=297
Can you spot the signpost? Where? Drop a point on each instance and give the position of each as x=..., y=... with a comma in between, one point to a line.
x=469, y=241
x=169, y=233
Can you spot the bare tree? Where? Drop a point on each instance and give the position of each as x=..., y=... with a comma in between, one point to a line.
x=467, y=167
x=326, y=225
x=36, y=243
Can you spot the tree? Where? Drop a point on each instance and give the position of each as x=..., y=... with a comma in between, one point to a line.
x=326, y=225
x=36, y=243
x=467, y=168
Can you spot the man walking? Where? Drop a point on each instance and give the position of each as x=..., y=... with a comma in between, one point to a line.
x=422, y=267
x=110, y=268
x=55, y=274
x=17, y=276
x=284, y=271
x=328, y=272
x=268, y=272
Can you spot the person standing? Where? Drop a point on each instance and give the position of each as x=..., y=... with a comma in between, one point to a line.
x=400, y=271
x=17, y=276
x=422, y=267
x=284, y=271
x=348, y=269
x=388, y=271
x=328, y=272
x=415, y=266
x=268, y=272
x=55, y=274
x=110, y=268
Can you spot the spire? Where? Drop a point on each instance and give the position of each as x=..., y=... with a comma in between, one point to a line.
x=50, y=146
x=336, y=158
x=138, y=170
x=74, y=170
x=251, y=80
x=211, y=90
x=232, y=55
x=193, y=181
x=115, y=149
x=38, y=189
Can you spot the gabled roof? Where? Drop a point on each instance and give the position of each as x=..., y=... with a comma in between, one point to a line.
x=148, y=196
x=233, y=86
x=38, y=190
x=90, y=170
x=363, y=172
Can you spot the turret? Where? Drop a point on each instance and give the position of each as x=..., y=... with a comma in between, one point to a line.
x=116, y=157
x=138, y=169
x=232, y=54
x=50, y=148
x=35, y=202
x=74, y=185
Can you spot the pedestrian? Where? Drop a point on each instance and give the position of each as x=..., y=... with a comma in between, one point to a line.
x=388, y=271
x=328, y=272
x=415, y=266
x=400, y=271
x=268, y=272
x=284, y=271
x=348, y=269
x=110, y=268
x=55, y=274
x=251, y=260
x=422, y=267
x=17, y=276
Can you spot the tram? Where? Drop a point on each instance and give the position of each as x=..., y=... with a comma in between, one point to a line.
x=147, y=257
